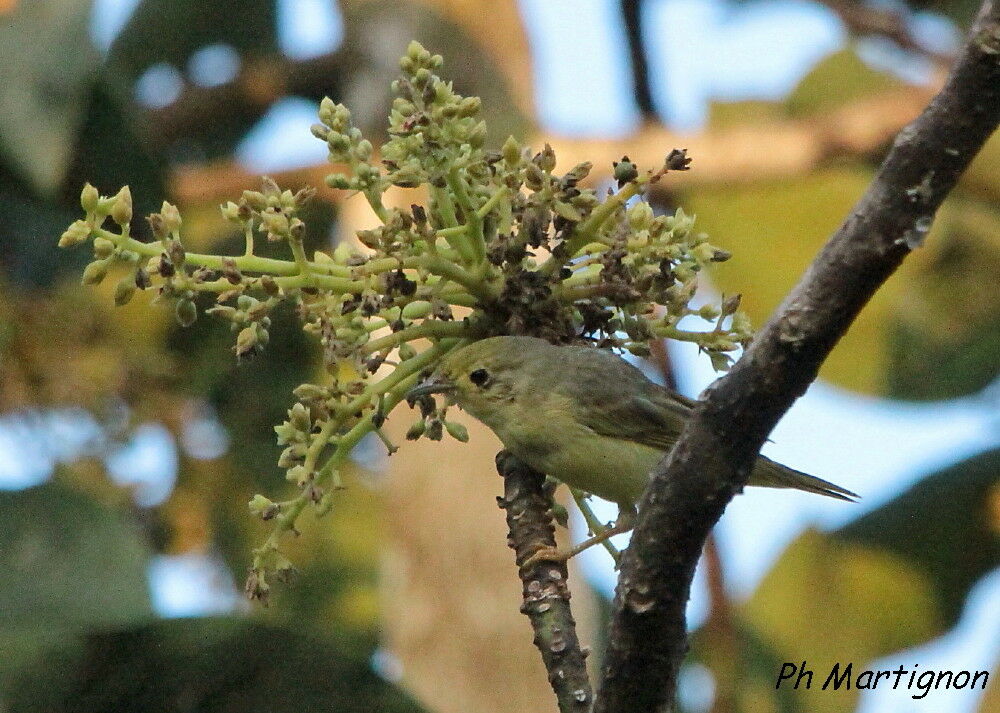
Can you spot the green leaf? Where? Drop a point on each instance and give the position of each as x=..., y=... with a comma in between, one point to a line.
x=49, y=65
x=836, y=79
x=213, y=665
x=945, y=337
x=67, y=564
x=827, y=600
x=944, y=527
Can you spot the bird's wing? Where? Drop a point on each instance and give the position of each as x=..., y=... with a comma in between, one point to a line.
x=620, y=402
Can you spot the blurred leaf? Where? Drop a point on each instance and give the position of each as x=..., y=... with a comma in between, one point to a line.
x=736, y=113
x=945, y=527
x=836, y=79
x=216, y=665
x=982, y=177
x=171, y=30
x=49, y=63
x=991, y=699
x=744, y=667
x=945, y=338
x=67, y=564
x=774, y=229
x=827, y=600
x=111, y=152
x=67, y=561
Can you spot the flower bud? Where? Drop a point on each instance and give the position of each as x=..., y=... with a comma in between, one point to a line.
x=75, y=234
x=625, y=171
x=416, y=430
x=171, y=217
x=511, y=151
x=95, y=272
x=124, y=290
x=121, y=213
x=89, y=198
x=457, y=431
x=186, y=312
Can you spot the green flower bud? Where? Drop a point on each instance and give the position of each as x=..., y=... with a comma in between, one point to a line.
x=546, y=159
x=263, y=507
x=625, y=171
x=511, y=151
x=89, y=198
x=299, y=417
x=469, y=106
x=124, y=290
x=415, y=51
x=185, y=312
x=416, y=430
x=95, y=272
x=417, y=309
x=406, y=351
x=477, y=137
x=326, y=110
x=339, y=181
x=230, y=211
x=171, y=217
x=457, y=431
x=75, y=234
x=247, y=341
x=121, y=213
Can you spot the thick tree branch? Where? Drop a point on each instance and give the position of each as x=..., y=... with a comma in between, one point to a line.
x=711, y=461
x=528, y=507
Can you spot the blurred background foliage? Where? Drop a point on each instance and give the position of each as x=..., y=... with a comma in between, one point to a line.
x=82, y=383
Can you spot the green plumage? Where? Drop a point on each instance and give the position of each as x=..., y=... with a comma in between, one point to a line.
x=583, y=415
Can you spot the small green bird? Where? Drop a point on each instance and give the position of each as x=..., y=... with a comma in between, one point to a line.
x=583, y=416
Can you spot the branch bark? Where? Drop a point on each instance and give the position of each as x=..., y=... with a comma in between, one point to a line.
x=711, y=462
x=528, y=507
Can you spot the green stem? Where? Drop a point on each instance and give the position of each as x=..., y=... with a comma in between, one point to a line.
x=431, y=328
x=473, y=221
x=586, y=231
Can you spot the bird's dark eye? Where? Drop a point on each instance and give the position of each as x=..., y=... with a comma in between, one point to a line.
x=479, y=377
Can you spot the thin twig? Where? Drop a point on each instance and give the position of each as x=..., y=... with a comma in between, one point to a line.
x=711, y=462
x=528, y=506
x=863, y=19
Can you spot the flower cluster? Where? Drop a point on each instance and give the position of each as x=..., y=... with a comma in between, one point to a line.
x=500, y=243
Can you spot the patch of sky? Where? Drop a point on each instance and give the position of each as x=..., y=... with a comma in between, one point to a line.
x=159, y=86
x=107, y=18
x=146, y=464
x=705, y=50
x=581, y=66
x=213, y=65
x=309, y=28
x=32, y=443
x=281, y=140
x=192, y=584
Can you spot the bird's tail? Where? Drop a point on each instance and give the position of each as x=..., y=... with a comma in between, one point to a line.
x=769, y=474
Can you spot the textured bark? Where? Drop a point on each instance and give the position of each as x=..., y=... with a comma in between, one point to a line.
x=528, y=507
x=711, y=461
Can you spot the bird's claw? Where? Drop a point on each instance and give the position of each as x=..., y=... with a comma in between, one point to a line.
x=548, y=554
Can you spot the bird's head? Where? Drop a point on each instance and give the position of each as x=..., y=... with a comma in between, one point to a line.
x=485, y=376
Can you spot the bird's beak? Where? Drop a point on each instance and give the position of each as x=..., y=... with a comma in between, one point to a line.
x=431, y=385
